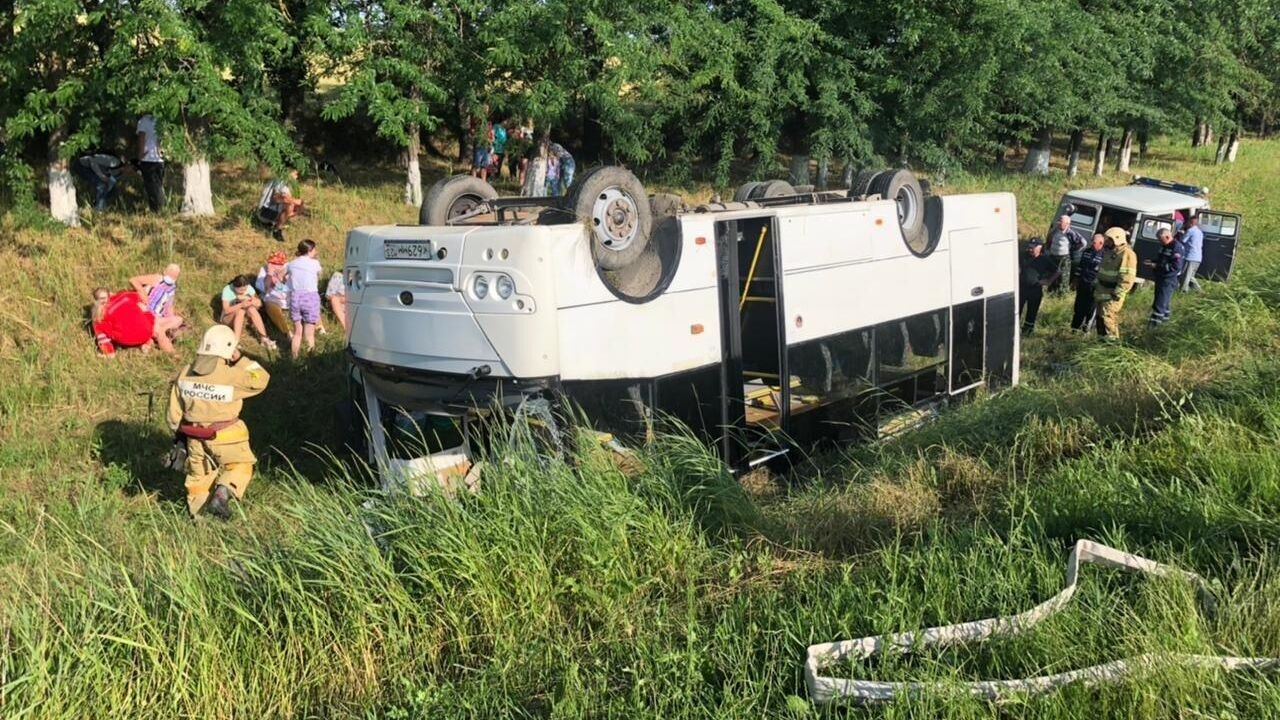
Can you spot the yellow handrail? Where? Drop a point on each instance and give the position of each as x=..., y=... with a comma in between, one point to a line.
x=751, y=274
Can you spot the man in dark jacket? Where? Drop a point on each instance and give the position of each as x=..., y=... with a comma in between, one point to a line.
x=1036, y=272
x=1083, y=275
x=1168, y=267
x=101, y=171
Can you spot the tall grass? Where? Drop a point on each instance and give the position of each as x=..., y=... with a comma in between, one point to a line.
x=658, y=586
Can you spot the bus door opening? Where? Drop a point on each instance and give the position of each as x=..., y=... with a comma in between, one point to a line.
x=755, y=384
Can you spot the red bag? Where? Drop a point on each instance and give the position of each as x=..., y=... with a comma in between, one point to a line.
x=126, y=320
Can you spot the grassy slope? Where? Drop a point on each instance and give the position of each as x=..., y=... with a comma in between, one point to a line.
x=573, y=591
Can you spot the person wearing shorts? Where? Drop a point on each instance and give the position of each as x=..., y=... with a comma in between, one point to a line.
x=336, y=293
x=303, y=275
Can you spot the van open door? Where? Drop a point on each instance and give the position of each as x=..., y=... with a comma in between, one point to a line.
x=1221, y=237
x=1146, y=243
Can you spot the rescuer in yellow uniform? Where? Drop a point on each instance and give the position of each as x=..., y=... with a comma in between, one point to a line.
x=204, y=405
x=1116, y=275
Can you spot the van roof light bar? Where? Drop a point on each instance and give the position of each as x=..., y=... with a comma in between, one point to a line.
x=1183, y=188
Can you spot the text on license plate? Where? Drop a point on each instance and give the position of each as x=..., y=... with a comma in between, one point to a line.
x=408, y=250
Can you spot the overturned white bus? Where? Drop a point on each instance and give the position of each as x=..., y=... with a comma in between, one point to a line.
x=781, y=318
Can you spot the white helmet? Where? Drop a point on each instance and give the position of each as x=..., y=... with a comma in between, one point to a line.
x=218, y=341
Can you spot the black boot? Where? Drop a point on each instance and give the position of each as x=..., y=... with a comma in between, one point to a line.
x=219, y=504
x=278, y=234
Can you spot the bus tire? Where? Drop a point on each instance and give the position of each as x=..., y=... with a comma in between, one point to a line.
x=743, y=193
x=902, y=187
x=453, y=197
x=862, y=183
x=772, y=189
x=614, y=206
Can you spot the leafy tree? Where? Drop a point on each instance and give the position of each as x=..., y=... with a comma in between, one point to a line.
x=387, y=52
x=48, y=83
x=198, y=68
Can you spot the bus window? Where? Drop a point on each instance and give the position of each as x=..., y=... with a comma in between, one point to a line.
x=911, y=356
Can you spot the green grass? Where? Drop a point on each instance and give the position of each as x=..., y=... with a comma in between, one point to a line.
x=582, y=589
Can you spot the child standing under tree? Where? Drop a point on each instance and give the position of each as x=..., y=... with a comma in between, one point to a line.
x=303, y=276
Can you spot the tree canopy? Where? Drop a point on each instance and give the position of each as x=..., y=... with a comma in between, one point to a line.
x=686, y=87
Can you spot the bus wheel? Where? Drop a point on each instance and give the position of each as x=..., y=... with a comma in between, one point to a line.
x=772, y=189
x=743, y=193
x=902, y=187
x=613, y=204
x=862, y=183
x=454, y=197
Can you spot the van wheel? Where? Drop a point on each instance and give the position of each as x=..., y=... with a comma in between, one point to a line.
x=454, y=197
x=743, y=193
x=772, y=189
x=902, y=187
x=613, y=204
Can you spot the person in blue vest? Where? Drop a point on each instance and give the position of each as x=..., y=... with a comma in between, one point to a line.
x=1193, y=238
x=1168, y=266
x=1084, y=273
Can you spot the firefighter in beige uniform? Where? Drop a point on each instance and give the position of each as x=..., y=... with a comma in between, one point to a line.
x=204, y=405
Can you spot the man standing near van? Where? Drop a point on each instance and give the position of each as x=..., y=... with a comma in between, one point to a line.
x=1065, y=246
x=1116, y=275
x=1193, y=238
x=151, y=162
x=1036, y=272
x=1168, y=266
x=1083, y=276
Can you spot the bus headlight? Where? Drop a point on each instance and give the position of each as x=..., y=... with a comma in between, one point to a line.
x=505, y=287
x=480, y=286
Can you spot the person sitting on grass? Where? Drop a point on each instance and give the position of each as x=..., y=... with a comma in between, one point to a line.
x=278, y=206
x=274, y=292
x=336, y=292
x=120, y=319
x=240, y=300
x=303, y=276
x=161, y=292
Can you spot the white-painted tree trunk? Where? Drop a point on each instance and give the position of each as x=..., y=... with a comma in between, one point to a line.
x=62, y=194
x=1221, y=155
x=824, y=173
x=1100, y=155
x=800, y=170
x=535, y=176
x=413, y=172
x=1126, y=152
x=197, y=188
x=1233, y=147
x=846, y=175
x=1073, y=156
x=1037, y=162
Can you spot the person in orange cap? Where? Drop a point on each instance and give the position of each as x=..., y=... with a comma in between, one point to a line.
x=274, y=292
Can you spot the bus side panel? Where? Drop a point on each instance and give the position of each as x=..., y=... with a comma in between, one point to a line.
x=616, y=340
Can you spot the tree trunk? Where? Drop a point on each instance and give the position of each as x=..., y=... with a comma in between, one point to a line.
x=197, y=189
x=62, y=189
x=846, y=175
x=1143, y=140
x=535, y=177
x=1073, y=156
x=1221, y=156
x=1001, y=156
x=1208, y=134
x=799, y=169
x=1197, y=134
x=1233, y=145
x=1100, y=154
x=1126, y=151
x=824, y=173
x=413, y=177
x=1037, y=162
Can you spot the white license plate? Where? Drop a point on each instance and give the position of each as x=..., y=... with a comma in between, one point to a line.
x=408, y=250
